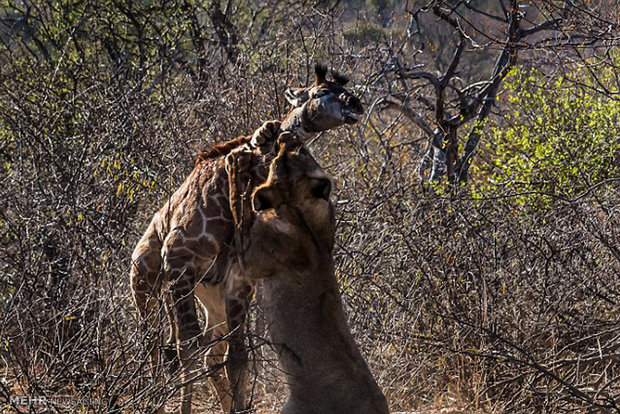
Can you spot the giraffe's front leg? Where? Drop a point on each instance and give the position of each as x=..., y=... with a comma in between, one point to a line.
x=211, y=297
x=146, y=283
x=239, y=290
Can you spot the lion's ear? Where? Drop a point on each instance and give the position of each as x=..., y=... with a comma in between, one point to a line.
x=263, y=199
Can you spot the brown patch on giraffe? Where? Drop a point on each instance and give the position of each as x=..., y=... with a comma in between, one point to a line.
x=207, y=242
x=202, y=247
x=222, y=226
x=151, y=261
x=140, y=268
x=177, y=262
x=214, y=208
x=222, y=204
x=195, y=225
x=227, y=215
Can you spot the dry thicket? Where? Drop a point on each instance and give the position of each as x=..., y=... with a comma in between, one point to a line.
x=461, y=291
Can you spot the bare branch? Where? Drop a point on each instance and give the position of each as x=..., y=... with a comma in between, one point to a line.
x=548, y=25
x=450, y=72
x=421, y=75
x=392, y=102
x=434, y=80
x=484, y=13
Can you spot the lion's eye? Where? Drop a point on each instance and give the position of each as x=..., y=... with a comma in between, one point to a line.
x=322, y=189
x=320, y=93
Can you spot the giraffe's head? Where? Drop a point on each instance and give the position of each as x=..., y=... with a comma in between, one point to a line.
x=293, y=214
x=327, y=103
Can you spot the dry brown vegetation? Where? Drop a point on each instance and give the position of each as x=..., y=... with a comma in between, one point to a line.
x=462, y=292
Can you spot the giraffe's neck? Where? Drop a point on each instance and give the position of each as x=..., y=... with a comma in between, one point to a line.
x=298, y=123
x=316, y=350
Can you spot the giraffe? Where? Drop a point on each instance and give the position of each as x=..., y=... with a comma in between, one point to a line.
x=186, y=250
x=289, y=245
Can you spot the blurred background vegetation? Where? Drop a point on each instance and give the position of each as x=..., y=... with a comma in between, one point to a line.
x=494, y=288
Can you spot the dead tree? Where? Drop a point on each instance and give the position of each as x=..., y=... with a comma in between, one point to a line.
x=455, y=103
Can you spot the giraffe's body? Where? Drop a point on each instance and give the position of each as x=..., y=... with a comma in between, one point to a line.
x=187, y=249
x=190, y=239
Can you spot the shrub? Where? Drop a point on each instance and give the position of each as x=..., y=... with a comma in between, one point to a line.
x=558, y=139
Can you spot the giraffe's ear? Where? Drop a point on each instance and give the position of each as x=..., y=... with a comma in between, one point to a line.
x=340, y=78
x=296, y=96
